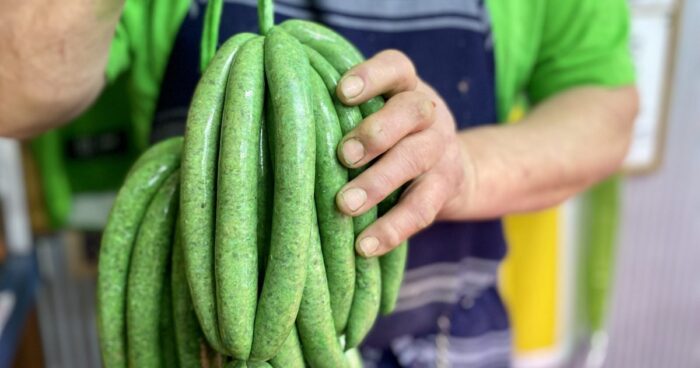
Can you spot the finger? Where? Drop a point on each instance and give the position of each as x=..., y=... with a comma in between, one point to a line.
x=405, y=113
x=412, y=157
x=387, y=73
x=415, y=211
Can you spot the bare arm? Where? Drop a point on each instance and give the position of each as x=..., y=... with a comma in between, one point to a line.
x=52, y=60
x=564, y=145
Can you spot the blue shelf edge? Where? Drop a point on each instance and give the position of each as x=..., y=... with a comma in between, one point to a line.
x=19, y=274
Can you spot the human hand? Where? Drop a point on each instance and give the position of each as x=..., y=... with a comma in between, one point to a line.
x=415, y=135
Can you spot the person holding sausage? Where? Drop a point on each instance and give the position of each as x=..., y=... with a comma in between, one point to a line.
x=451, y=70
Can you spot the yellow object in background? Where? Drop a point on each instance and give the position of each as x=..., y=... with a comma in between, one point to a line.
x=528, y=279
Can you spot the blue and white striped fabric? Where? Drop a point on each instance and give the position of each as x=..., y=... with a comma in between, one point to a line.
x=449, y=313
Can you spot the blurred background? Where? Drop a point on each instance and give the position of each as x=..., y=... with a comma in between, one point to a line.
x=609, y=279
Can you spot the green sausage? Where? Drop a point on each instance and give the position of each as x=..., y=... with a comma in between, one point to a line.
x=155, y=152
x=353, y=358
x=210, y=33
x=388, y=203
x=371, y=106
x=264, y=193
x=266, y=186
x=188, y=334
x=199, y=163
x=236, y=364
x=148, y=174
x=236, y=245
x=254, y=364
x=290, y=354
x=334, y=47
x=266, y=16
x=315, y=320
x=336, y=229
x=392, y=265
x=168, y=345
x=148, y=274
x=337, y=50
x=287, y=70
x=348, y=116
x=365, y=303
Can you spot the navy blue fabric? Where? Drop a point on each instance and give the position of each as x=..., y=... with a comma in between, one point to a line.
x=459, y=64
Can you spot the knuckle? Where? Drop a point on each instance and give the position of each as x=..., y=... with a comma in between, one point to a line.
x=421, y=108
x=426, y=151
x=404, y=68
x=395, y=56
x=375, y=134
x=383, y=184
x=392, y=233
x=412, y=158
x=425, y=110
x=424, y=215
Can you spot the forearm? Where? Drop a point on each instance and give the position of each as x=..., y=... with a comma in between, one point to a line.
x=563, y=146
x=52, y=60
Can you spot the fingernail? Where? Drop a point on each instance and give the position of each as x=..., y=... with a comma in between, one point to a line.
x=354, y=198
x=353, y=151
x=369, y=245
x=351, y=86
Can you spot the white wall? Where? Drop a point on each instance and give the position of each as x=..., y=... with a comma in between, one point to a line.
x=655, y=320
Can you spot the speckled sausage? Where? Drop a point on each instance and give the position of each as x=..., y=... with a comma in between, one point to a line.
x=236, y=245
x=254, y=364
x=342, y=56
x=265, y=193
x=393, y=265
x=319, y=341
x=329, y=48
x=147, y=175
x=334, y=47
x=365, y=303
x=188, y=334
x=338, y=51
x=236, y=364
x=199, y=162
x=168, y=344
x=348, y=116
x=353, y=358
x=148, y=275
x=290, y=354
x=287, y=70
x=335, y=227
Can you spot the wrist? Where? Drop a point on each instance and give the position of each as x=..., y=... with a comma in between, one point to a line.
x=462, y=205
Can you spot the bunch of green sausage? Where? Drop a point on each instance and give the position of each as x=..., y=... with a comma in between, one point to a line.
x=226, y=248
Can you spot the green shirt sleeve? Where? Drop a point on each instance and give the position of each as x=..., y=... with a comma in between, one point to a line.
x=545, y=46
x=584, y=42
x=140, y=51
x=119, y=57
